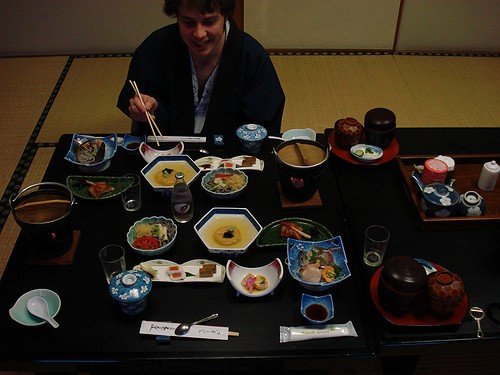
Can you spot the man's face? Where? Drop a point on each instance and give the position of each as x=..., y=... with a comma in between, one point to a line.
x=202, y=33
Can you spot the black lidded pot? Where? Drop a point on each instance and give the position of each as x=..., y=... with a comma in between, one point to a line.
x=402, y=280
x=380, y=126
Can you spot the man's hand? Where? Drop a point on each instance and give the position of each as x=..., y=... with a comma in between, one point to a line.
x=137, y=110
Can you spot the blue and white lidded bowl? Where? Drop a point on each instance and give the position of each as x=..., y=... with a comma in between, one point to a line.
x=130, y=289
x=471, y=204
x=251, y=137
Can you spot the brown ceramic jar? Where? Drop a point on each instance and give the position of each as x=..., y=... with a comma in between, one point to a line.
x=446, y=291
x=401, y=281
x=348, y=132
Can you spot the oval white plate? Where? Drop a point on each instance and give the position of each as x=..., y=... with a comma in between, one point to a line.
x=190, y=267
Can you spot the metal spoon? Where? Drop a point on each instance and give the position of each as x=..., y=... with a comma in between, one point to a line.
x=477, y=314
x=38, y=306
x=183, y=328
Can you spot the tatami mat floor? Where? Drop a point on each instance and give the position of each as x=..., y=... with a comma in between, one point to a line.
x=44, y=97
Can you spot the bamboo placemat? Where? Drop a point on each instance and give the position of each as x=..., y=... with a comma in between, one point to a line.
x=86, y=102
x=26, y=87
x=453, y=91
x=10, y=231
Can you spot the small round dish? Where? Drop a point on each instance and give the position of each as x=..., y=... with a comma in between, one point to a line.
x=390, y=152
x=92, y=154
x=19, y=312
x=366, y=153
x=159, y=227
x=246, y=279
x=131, y=142
x=224, y=183
x=317, y=309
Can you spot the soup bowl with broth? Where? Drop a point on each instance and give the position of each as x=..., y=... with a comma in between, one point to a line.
x=300, y=163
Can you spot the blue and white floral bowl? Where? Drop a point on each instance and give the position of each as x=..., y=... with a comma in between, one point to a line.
x=297, y=250
x=130, y=289
x=110, y=145
x=251, y=137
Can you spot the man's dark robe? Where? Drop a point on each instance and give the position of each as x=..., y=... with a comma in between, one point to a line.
x=247, y=88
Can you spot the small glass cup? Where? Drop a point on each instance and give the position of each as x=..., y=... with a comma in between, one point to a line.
x=376, y=240
x=130, y=191
x=113, y=260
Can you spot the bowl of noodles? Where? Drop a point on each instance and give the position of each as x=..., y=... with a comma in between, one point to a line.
x=152, y=236
x=224, y=183
x=160, y=172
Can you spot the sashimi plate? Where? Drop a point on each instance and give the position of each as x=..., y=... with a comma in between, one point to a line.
x=242, y=162
x=190, y=267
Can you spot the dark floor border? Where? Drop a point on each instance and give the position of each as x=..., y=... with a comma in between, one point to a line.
x=30, y=149
x=321, y=52
x=280, y=52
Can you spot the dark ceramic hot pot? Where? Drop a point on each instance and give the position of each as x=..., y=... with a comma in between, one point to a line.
x=300, y=182
x=43, y=211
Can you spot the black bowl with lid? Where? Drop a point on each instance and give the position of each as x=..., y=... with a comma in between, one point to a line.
x=401, y=281
x=380, y=126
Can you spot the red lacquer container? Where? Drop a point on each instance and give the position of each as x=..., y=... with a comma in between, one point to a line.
x=434, y=171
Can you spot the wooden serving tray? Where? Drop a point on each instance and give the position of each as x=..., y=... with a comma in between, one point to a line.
x=466, y=174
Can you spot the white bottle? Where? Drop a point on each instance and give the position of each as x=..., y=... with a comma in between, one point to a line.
x=489, y=176
x=181, y=200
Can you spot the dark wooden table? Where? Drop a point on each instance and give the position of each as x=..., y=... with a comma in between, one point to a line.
x=377, y=195
x=93, y=333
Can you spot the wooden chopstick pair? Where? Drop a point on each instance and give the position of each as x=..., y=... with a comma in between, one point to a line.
x=149, y=116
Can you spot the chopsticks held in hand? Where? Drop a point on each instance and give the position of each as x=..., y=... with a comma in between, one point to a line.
x=149, y=116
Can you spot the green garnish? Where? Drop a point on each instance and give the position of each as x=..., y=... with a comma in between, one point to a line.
x=166, y=172
x=358, y=153
x=369, y=150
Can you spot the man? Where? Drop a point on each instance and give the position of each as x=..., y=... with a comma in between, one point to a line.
x=203, y=75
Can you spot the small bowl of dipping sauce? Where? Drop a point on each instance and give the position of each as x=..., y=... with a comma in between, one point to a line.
x=317, y=309
x=131, y=142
